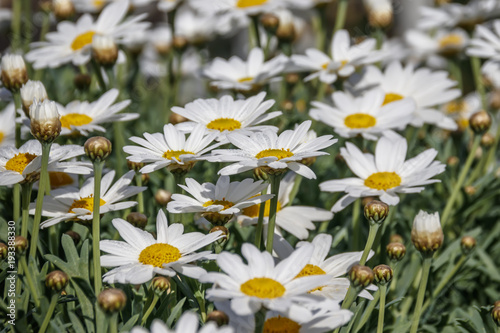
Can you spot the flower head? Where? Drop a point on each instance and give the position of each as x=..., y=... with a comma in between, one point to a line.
x=427, y=234
x=45, y=122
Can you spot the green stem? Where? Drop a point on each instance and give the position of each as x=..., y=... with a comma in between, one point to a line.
x=478, y=170
x=255, y=30
x=30, y=282
x=493, y=150
x=16, y=24
x=39, y=198
x=460, y=181
x=260, y=319
x=341, y=14
x=45, y=26
x=260, y=221
x=381, y=311
x=456, y=72
x=98, y=73
x=179, y=180
x=371, y=237
x=16, y=197
x=150, y=308
x=421, y=294
x=478, y=79
x=50, y=312
x=140, y=195
x=27, y=24
x=275, y=187
x=118, y=147
x=96, y=237
x=113, y=323
x=368, y=311
x=356, y=230
x=295, y=189
x=26, y=199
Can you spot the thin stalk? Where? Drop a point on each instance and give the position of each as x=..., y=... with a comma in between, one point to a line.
x=16, y=196
x=96, y=236
x=460, y=181
x=295, y=189
x=321, y=29
x=368, y=311
x=421, y=294
x=478, y=170
x=45, y=26
x=150, y=308
x=26, y=198
x=493, y=150
x=179, y=180
x=341, y=14
x=456, y=72
x=140, y=195
x=113, y=323
x=275, y=187
x=260, y=221
x=30, y=282
x=356, y=230
x=17, y=189
x=255, y=30
x=371, y=237
x=27, y=24
x=39, y=198
x=118, y=144
x=260, y=320
x=478, y=79
x=98, y=73
x=381, y=311
x=50, y=312
x=16, y=24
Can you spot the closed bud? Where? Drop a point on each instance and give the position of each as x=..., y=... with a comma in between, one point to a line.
x=180, y=43
x=56, y=280
x=145, y=178
x=82, y=82
x=97, y=148
x=45, y=121
x=480, y=122
x=161, y=284
x=270, y=22
x=217, y=219
x=3, y=251
x=292, y=78
x=360, y=276
x=112, y=300
x=379, y=13
x=74, y=236
x=395, y=238
x=137, y=220
x=175, y=119
x=427, y=234
x=376, y=211
x=487, y=140
x=218, y=317
x=136, y=166
x=104, y=50
x=163, y=197
x=224, y=233
x=63, y=9
x=286, y=29
x=467, y=244
x=395, y=251
x=470, y=190
x=14, y=73
x=495, y=315
x=383, y=274
x=495, y=99
x=20, y=244
x=260, y=174
x=452, y=161
x=32, y=91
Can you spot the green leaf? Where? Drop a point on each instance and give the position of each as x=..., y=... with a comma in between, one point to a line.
x=130, y=323
x=176, y=312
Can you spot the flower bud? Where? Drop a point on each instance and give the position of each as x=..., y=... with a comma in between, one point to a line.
x=495, y=100
x=383, y=274
x=63, y=9
x=137, y=220
x=260, y=174
x=14, y=73
x=97, y=148
x=216, y=218
x=467, y=244
x=56, y=280
x=360, y=276
x=379, y=13
x=270, y=22
x=20, y=244
x=396, y=239
x=487, y=140
x=145, y=178
x=224, y=233
x=452, y=161
x=286, y=30
x=376, y=211
x=497, y=303
x=32, y=90
x=45, y=122
x=136, y=166
x=160, y=284
x=292, y=78
x=163, y=197
x=395, y=251
x=82, y=82
x=104, y=50
x=3, y=251
x=175, y=119
x=495, y=315
x=427, y=235
x=180, y=43
x=112, y=300
x=218, y=317
x=470, y=190
x=480, y=122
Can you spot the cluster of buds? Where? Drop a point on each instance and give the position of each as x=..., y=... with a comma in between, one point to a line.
x=14, y=73
x=45, y=122
x=112, y=300
x=97, y=148
x=427, y=234
x=30, y=92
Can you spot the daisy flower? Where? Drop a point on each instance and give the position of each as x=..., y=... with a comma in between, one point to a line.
x=443, y=42
x=363, y=115
x=168, y=5
x=248, y=7
x=7, y=128
x=428, y=89
x=463, y=108
x=218, y=203
x=238, y=74
x=72, y=41
x=297, y=220
x=386, y=174
x=486, y=42
x=227, y=115
x=71, y=204
x=171, y=149
x=261, y=283
x=24, y=164
x=275, y=153
x=188, y=323
x=491, y=71
x=336, y=267
x=343, y=62
x=141, y=256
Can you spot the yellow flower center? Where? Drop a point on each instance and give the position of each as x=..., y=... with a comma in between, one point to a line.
x=58, y=179
x=342, y=64
x=263, y=288
x=226, y=204
x=391, y=97
x=383, y=180
x=98, y=3
x=360, y=120
x=279, y=153
x=463, y=123
x=451, y=40
x=82, y=40
x=253, y=211
x=249, y=3
x=224, y=124
x=85, y=203
x=19, y=162
x=175, y=154
x=280, y=325
x=309, y=270
x=245, y=79
x=455, y=107
x=2, y=136
x=75, y=119
x=159, y=254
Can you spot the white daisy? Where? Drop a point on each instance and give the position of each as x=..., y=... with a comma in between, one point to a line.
x=261, y=283
x=343, y=61
x=168, y=5
x=141, y=256
x=364, y=115
x=336, y=267
x=188, y=323
x=385, y=174
x=72, y=41
x=428, y=89
x=486, y=42
x=462, y=109
x=227, y=115
x=297, y=220
x=171, y=149
x=267, y=149
x=24, y=164
x=443, y=42
x=238, y=74
x=491, y=71
x=218, y=202
x=71, y=204
x=7, y=125
x=248, y=7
